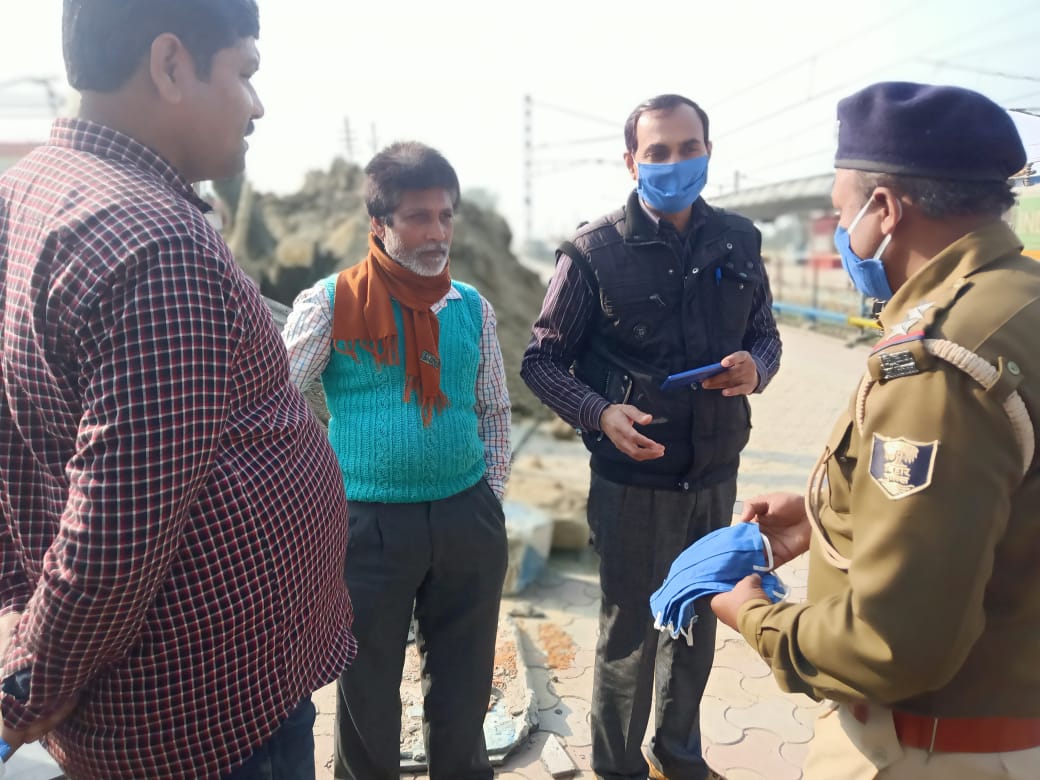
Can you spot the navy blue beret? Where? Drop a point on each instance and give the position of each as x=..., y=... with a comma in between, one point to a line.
x=931, y=131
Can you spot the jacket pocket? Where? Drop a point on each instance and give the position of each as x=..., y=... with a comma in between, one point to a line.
x=618, y=389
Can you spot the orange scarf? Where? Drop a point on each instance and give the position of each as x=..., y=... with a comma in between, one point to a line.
x=364, y=317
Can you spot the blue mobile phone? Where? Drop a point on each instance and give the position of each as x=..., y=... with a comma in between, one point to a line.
x=692, y=377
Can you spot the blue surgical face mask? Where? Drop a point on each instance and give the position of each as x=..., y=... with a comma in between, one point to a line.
x=715, y=563
x=672, y=187
x=868, y=275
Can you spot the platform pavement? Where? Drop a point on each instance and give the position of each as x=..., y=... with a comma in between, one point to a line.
x=752, y=730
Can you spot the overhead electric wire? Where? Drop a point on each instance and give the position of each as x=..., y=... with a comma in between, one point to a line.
x=858, y=80
x=576, y=114
x=855, y=36
x=982, y=71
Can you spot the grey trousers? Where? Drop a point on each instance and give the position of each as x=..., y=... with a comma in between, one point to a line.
x=638, y=532
x=448, y=557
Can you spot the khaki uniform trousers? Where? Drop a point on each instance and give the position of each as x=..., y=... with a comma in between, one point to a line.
x=844, y=748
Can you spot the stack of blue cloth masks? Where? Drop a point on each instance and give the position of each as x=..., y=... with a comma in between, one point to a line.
x=713, y=564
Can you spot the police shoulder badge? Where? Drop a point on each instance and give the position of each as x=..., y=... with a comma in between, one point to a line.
x=901, y=467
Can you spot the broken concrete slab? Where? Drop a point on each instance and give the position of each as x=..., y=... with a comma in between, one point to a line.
x=512, y=711
x=556, y=759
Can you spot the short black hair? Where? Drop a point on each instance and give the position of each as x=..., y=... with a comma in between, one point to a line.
x=105, y=41
x=945, y=198
x=403, y=166
x=659, y=103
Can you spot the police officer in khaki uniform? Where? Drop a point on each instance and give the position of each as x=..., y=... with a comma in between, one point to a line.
x=923, y=515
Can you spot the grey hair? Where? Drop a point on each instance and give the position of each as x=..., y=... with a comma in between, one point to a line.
x=945, y=198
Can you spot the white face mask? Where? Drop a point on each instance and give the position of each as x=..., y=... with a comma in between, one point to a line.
x=427, y=260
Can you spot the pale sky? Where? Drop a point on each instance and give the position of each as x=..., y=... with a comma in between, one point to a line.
x=453, y=74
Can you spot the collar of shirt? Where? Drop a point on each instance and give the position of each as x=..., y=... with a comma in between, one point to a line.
x=940, y=279
x=91, y=138
x=453, y=294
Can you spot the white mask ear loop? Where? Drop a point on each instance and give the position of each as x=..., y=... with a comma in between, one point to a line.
x=887, y=239
x=862, y=212
x=769, y=554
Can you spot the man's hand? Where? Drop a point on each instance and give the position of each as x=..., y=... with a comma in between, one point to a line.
x=17, y=738
x=617, y=423
x=727, y=605
x=781, y=518
x=8, y=624
x=739, y=378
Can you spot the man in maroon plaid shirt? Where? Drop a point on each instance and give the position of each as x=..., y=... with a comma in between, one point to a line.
x=172, y=520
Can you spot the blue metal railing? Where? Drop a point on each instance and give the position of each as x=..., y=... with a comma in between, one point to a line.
x=823, y=315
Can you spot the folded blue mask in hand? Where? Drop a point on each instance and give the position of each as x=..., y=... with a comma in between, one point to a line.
x=713, y=564
x=723, y=556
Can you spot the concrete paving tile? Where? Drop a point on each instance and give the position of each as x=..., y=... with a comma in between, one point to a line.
x=759, y=751
x=744, y=774
x=574, y=686
x=524, y=763
x=579, y=720
x=534, y=593
x=736, y=654
x=555, y=606
x=725, y=684
x=794, y=753
x=766, y=688
x=581, y=665
x=582, y=756
x=725, y=633
x=573, y=593
x=544, y=691
x=556, y=720
x=550, y=577
x=530, y=649
x=807, y=715
x=580, y=564
x=562, y=617
x=775, y=715
x=594, y=592
x=584, y=632
x=714, y=726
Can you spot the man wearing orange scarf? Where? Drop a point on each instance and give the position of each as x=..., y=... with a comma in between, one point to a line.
x=414, y=381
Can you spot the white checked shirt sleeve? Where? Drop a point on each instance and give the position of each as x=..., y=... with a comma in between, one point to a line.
x=308, y=335
x=493, y=410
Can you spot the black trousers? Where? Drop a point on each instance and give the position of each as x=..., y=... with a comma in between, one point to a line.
x=448, y=558
x=638, y=532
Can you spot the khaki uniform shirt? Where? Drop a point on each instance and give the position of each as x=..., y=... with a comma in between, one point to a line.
x=939, y=611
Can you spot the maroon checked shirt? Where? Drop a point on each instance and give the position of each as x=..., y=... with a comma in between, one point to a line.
x=172, y=520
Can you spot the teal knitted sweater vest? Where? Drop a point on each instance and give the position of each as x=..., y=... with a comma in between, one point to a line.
x=385, y=452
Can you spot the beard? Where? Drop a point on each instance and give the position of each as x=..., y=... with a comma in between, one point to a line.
x=427, y=260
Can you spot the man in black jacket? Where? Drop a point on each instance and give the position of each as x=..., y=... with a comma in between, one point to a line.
x=663, y=285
